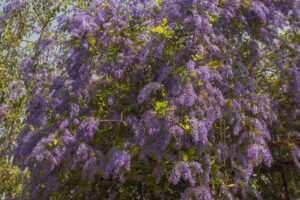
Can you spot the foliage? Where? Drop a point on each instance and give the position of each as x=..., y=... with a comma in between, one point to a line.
x=185, y=99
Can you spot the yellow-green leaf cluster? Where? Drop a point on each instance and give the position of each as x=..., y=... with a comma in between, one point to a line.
x=163, y=29
x=161, y=107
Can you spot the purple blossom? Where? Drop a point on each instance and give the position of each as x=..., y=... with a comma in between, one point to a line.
x=259, y=153
x=147, y=90
x=196, y=167
x=262, y=128
x=63, y=124
x=199, y=132
x=119, y=160
x=13, y=7
x=237, y=127
x=174, y=87
x=27, y=65
x=67, y=138
x=151, y=123
x=201, y=24
x=37, y=108
x=16, y=90
x=82, y=154
x=223, y=152
x=205, y=73
x=26, y=143
x=74, y=110
x=44, y=159
x=191, y=65
x=79, y=24
x=87, y=128
x=186, y=173
x=181, y=170
x=295, y=84
x=45, y=44
x=188, y=96
x=177, y=132
x=172, y=11
x=260, y=10
x=110, y=100
x=175, y=176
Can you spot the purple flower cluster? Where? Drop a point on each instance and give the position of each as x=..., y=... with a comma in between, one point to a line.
x=171, y=84
x=36, y=111
x=118, y=160
x=13, y=7
x=187, y=171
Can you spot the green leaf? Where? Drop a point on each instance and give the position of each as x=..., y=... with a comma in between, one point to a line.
x=163, y=29
x=161, y=107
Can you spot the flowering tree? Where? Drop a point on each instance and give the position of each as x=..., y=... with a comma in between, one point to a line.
x=185, y=99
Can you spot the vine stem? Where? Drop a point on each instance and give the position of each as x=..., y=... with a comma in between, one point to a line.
x=286, y=191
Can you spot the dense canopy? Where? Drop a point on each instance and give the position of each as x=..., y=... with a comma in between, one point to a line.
x=150, y=99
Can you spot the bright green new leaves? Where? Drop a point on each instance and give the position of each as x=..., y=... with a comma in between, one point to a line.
x=158, y=2
x=161, y=107
x=10, y=177
x=163, y=29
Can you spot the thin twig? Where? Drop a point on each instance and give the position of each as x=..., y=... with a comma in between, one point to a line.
x=286, y=191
